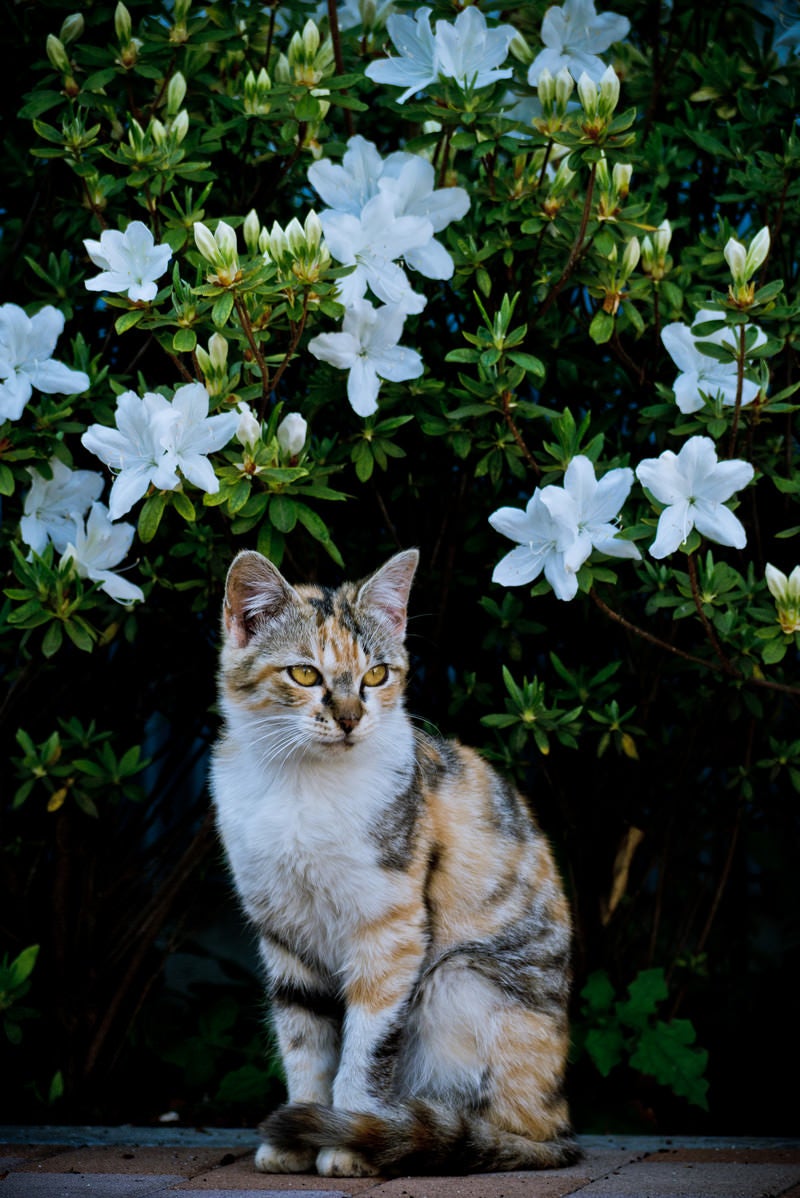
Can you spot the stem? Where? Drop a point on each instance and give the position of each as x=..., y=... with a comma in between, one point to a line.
x=725, y=664
x=517, y=435
x=333, y=25
x=244, y=320
x=297, y=333
x=729, y=669
x=575, y=252
x=739, y=388
x=444, y=155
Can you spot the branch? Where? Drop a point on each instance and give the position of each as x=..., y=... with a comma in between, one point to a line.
x=575, y=252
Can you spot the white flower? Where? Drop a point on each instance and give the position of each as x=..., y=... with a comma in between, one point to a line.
x=192, y=434
x=547, y=532
x=291, y=434
x=466, y=50
x=52, y=505
x=470, y=52
x=597, y=506
x=574, y=36
x=371, y=242
x=416, y=64
x=368, y=348
x=130, y=262
x=701, y=373
x=134, y=449
x=26, y=359
x=408, y=180
x=694, y=487
x=99, y=546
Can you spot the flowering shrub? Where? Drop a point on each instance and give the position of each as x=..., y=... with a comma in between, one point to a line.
x=332, y=280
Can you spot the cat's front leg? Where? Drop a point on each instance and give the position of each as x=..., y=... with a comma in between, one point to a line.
x=384, y=968
x=306, y=1017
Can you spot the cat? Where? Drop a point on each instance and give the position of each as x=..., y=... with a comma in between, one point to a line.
x=411, y=920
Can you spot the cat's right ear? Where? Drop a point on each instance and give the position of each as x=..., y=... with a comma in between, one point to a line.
x=255, y=591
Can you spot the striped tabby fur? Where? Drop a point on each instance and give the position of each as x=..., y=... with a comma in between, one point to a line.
x=412, y=924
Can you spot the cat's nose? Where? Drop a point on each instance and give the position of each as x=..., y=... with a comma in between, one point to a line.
x=348, y=722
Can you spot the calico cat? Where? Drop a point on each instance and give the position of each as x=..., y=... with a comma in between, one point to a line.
x=410, y=917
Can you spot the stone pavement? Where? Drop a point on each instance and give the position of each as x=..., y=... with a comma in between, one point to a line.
x=131, y=1162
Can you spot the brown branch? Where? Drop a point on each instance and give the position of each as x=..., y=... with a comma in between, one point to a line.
x=725, y=664
x=575, y=252
x=737, y=409
x=244, y=320
x=517, y=435
x=297, y=333
x=333, y=25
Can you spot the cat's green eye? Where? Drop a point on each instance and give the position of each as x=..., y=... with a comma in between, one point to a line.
x=375, y=675
x=305, y=675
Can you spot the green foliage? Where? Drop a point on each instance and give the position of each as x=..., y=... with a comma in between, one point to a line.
x=652, y=717
x=615, y=1031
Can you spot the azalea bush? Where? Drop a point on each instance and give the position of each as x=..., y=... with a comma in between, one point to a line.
x=516, y=286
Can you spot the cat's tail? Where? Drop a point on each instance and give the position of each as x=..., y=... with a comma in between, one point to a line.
x=417, y=1137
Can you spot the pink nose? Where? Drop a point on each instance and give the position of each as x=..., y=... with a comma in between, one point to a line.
x=348, y=722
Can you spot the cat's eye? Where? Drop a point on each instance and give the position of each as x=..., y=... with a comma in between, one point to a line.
x=375, y=675
x=305, y=675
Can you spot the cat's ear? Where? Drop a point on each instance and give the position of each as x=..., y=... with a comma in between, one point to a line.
x=255, y=591
x=386, y=592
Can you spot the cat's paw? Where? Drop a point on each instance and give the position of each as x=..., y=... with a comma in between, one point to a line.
x=284, y=1160
x=339, y=1162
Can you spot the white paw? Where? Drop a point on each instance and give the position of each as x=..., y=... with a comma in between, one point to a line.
x=275, y=1160
x=339, y=1162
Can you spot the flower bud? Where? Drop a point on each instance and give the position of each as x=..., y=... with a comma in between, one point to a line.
x=587, y=94
x=180, y=127
x=520, y=50
x=630, y=258
x=736, y=257
x=786, y=593
x=609, y=92
x=291, y=434
x=621, y=179
x=59, y=59
x=122, y=24
x=248, y=432
x=205, y=242
x=176, y=93
x=71, y=28
x=565, y=85
x=546, y=89
x=757, y=251
x=252, y=231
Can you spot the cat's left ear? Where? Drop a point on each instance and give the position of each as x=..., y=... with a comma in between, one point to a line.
x=386, y=591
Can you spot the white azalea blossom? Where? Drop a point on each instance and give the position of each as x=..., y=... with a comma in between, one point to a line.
x=694, y=486
x=52, y=505
x=368, y=349
x=129, y=262
x=291, y=433
x=371, y=242
x=598, y=504
x=134, y=450
x=466, y=50
x=547, y=533
x=574, y=36
x=192, y=434
x=700, y=374
x=26, y=359
x=408, y=181
x=99, y=545
x=561, y=526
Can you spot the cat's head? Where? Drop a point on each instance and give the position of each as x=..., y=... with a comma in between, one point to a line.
x=314, y=669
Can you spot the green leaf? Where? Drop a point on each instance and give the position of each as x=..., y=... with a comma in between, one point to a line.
x=605, y=1046
x=6, y=480
x=53, y=639
x=184, y=341
x=645, y=992
x=21, y=967
x=129, y=320
x=150, y=516
x=528, y=362
x=283, y=513
x=667, y=1052
x=601, y=329
x=222, y=309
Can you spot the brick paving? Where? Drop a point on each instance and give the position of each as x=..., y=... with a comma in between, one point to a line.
x=124, y=1162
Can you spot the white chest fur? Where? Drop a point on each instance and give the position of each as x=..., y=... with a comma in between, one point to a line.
x=299, y=845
